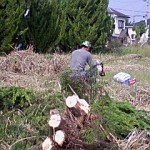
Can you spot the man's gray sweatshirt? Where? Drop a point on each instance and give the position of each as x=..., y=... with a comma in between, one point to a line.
x=79, y=59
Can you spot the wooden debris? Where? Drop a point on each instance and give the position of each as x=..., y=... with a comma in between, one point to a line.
x=55, y=120
x=65, y=128
x=139, y=140
x=59, y=137
x=47, y=144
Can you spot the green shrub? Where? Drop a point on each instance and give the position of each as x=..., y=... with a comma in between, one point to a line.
x=88, y=136
x=77, y=85
x=88, y=90
x=16, y=124
x=120, y=118
x=14, y=97
x=113, y=46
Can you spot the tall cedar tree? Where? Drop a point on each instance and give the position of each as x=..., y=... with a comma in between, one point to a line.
x=41, y=26
x=3, y=4
x=44, y=24
x=52, y=24
x=12, y=23
x=85, y=20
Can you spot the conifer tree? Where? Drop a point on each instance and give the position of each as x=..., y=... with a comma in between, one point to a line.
x=85, y=20
x=43, y=24
x=12, y=23
x=54, y=24
x=3, y=4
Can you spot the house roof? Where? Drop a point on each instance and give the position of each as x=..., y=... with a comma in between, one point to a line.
x=119, y=14
x=138, y=23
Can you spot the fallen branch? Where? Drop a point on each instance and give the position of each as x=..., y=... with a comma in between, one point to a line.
x=110, y=136
x=20, y=140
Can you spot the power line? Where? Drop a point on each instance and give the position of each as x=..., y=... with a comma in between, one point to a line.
x=134, y=1
x=131, y=10
x=129, y=2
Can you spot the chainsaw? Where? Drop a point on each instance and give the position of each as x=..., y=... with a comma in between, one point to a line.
x=100, y=68
x=102, y=73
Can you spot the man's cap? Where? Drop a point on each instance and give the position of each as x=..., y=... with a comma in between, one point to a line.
x=86, y=43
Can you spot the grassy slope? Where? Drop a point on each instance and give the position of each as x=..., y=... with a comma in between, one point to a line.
x=30, y=122
x=134, y=61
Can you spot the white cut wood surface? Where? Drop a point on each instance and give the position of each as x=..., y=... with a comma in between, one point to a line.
x=47, y=144
x=54, y=120
x=59, y=137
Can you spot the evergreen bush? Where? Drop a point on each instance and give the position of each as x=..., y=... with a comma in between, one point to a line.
x=120, y=118
x=87, y=89
x=11, y=97
x=54, y=25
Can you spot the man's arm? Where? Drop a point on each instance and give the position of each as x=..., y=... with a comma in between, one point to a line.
x=90, y=61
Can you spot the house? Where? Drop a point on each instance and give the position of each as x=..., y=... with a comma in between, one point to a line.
x=119, y=21
x=122, y=32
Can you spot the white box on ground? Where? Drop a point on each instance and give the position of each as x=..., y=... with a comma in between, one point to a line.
x=121, y=77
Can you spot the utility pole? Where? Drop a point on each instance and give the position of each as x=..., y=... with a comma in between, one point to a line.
x=146, y=12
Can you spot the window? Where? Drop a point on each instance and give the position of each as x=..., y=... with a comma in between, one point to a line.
x=120, y=24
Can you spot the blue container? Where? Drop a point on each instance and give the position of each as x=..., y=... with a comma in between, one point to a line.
x=126, y=82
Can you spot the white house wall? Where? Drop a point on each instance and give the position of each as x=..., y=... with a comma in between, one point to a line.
x=147, y=32
x=144, y=37
x=131, y=33
x=117, y=30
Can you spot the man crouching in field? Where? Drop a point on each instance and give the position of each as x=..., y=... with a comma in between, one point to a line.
x=82, y=57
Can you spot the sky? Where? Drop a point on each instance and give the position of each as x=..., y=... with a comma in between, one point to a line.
x=136, y=9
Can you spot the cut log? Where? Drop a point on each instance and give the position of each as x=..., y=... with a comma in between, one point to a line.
x=59, y=137
x=71, y=101
x=55, y=120
x=73, y=105
x=47, y=144
x=65, y=127
x=78, y=106
x=84, y=105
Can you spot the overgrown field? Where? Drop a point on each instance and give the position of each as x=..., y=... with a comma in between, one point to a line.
x=31, y=87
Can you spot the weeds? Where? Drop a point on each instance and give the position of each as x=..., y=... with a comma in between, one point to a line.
x=120, y=118
x=145, y=52
x=23, y=113
x=24, y=128
x=14, y=97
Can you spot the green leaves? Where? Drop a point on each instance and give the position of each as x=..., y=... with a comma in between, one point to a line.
x=55, y=24
x=12, y=24
x=14, y=97
x=86, y=20
x=120, y=118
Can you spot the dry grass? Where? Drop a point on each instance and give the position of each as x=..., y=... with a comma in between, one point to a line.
x=30, y=70
x=40, y=72
x=138, y=67
x=138, y=140
x=29, y=63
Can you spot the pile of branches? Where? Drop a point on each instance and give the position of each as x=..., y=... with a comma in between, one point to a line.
x=28, y=62
x=139, y=140
x=66, y=127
